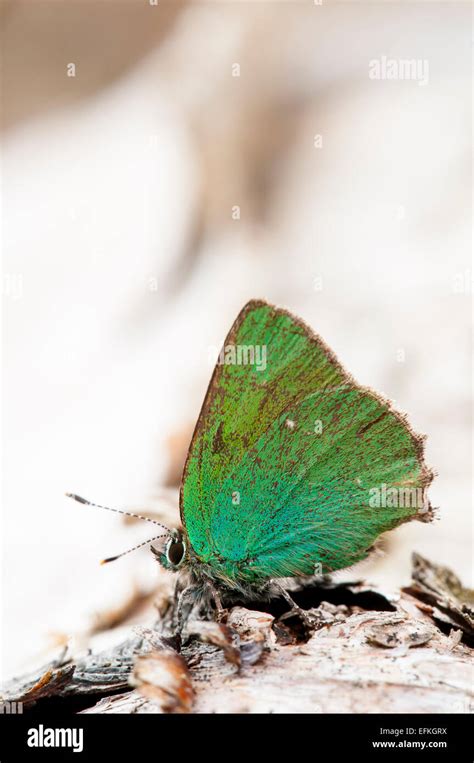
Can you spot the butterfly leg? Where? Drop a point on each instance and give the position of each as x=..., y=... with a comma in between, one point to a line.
x=221, y=612
x=295, y=609
x=181, y=615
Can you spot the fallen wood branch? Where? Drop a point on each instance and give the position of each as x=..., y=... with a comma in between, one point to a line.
x=366, y=652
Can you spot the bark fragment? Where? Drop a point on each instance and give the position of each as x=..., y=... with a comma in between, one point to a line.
x=367, y=651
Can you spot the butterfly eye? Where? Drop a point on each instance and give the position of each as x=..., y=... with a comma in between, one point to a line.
x=175, y=552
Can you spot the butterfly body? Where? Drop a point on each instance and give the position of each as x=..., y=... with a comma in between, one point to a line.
x=284, y=466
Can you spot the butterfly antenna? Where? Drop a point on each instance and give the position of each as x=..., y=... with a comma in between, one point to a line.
x=127, y=514
x=143, y=543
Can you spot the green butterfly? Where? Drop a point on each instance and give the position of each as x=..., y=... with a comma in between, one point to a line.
x=293, y=468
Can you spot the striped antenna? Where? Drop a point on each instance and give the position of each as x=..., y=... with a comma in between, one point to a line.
x=128, y=514
x=143, y=543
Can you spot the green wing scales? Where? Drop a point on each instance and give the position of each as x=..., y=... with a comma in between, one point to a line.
x=292, y=464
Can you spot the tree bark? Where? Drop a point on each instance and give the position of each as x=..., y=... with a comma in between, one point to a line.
x=364, y=651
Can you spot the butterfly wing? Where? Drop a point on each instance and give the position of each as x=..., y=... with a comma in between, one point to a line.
x=292, y=464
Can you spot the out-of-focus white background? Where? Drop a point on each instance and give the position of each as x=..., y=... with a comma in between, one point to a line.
x=123, y=263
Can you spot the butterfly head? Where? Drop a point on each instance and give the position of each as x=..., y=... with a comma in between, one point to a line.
x=174, y=554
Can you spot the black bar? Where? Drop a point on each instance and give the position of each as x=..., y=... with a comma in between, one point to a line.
x=170, y=737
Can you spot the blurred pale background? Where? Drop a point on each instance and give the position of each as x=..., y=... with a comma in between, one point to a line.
x=123, y=263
